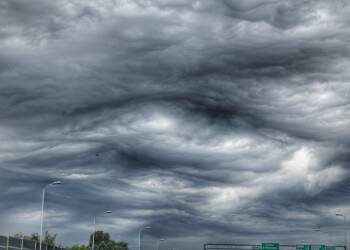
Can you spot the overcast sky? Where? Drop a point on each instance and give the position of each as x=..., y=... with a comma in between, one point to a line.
x=211, y=121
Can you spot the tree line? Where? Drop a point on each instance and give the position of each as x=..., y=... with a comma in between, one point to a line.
x=103, y=241
x=48, y=239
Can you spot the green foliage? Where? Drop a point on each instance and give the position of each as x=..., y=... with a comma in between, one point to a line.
x=33, y=236
x=49, y=239
x=100, y=236
x=18, y=235
x=112, y=245
x=79, y=247
x=104, y=242
x=121, y=245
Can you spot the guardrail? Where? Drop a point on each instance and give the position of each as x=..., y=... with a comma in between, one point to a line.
x=13, y=243
x=214, y=246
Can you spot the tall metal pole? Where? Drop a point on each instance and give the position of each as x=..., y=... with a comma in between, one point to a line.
x=7, y=242
x=140, y=239
x=345, y=231
x=42, y=209
x=42, y=216
x=324, y=232
x=93, y=234
x=159, y=241
x=22, y=242
x=140, y=235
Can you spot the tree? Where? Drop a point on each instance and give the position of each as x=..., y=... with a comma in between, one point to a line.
x=18, y=235
x=104, y=242
x=49, y=239
x=100, y=236
x=33, y=236
x=121, y=245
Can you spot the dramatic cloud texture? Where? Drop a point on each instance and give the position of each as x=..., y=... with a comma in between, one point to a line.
x=211, y=121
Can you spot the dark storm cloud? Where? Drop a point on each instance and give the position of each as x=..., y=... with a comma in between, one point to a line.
x=203, y=119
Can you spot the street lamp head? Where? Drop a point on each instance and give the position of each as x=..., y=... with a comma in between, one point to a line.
x=148, y=227
x=339, y=215
x=108, y=212
x=55, y=183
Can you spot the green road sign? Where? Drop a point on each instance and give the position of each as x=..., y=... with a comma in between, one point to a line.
x=303, y=247
x=271, y=246
x=318, y=247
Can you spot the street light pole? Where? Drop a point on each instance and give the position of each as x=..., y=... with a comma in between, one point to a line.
x=93, y=234
x=324, y=232
x=345, y=232
x=42, y=209
x=144, y=228
x=159, y=241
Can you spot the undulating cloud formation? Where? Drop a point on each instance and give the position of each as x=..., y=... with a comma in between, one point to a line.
x=210, y=121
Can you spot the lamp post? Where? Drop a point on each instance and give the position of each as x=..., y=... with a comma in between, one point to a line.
x=42, y=208
x=93, y=234
x=317, y=230
x=160, y=241
x=345, y=232
x=142, y=229
x=324, y=232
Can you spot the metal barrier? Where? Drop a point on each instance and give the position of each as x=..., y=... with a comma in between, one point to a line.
x=13, y=243
x=230, y=247
x=258, y=247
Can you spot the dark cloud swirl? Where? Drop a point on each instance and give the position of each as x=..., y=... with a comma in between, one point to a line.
x=208, y=120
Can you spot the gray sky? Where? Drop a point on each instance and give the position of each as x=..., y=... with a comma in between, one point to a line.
x=211, y=121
